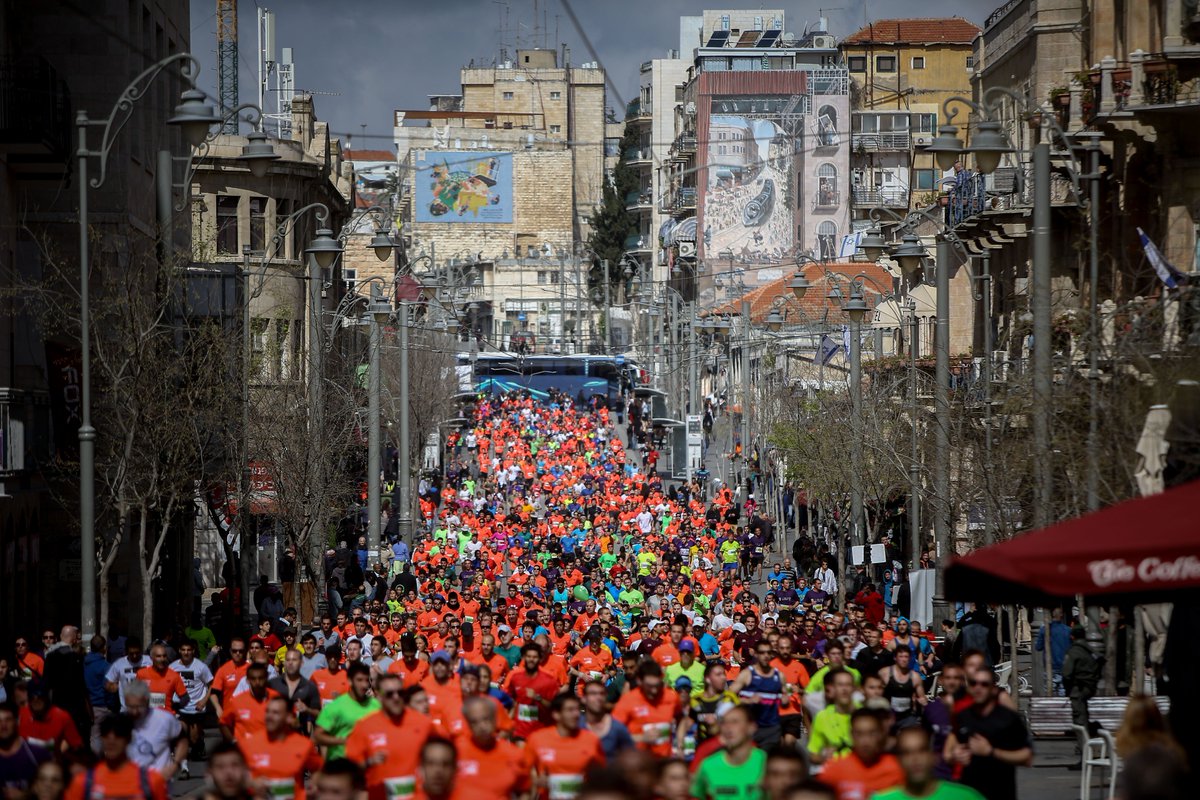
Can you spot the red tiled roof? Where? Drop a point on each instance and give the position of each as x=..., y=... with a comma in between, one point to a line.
x=370, y=155
x=816, y=305
x=947, y=30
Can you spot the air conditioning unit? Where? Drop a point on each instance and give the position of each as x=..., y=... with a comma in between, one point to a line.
x=687, y=249
x=922, y=139
x=824, y=42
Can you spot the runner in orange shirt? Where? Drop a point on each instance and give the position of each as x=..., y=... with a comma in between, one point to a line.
x=331, y=679
x=278, y=756
x=229, y=674
x=488, y=768
x=649, y=711
x=388, y=742
x=166, y=686
x=442, y=685
x=116, y=776
x=245, y=713
x=488, y=657
x=409, y=667
x=560, y=756
x=866, y=769
x=591, y=663
x=531, y=689
x=795, y=681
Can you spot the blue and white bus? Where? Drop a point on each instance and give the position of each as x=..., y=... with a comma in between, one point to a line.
x=583, y=376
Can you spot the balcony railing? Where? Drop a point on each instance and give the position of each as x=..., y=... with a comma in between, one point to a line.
x=35, y=110
x=636, y=108
x=635, y=200
x=827, y=199
x=635, y=155
x=637, y=243
x=880, y=141
x=887, y=198
x=684, y=199
x=684, y=146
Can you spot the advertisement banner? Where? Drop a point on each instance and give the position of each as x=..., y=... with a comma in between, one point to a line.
x=463, y=186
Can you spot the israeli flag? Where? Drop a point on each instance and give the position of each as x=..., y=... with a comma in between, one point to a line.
x=826, y=350
x=1166, y=272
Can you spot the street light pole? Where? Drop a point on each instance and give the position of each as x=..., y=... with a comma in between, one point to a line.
x=1040, y=302
x=405, y=521
x=914, y=464
x=857, y=529
x=195, y=118
x=374, y=455
x=941, y=393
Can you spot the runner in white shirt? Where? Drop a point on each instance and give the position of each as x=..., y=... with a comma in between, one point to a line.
x=124, y=670
x=158, y=739
x=197, y=679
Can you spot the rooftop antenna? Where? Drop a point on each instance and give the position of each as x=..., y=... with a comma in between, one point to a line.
x=266, y=52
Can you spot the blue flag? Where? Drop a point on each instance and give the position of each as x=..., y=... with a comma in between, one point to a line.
x=1167, y=273
x=826, y=350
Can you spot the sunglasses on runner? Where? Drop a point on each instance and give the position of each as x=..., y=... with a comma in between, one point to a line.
x=981, y=683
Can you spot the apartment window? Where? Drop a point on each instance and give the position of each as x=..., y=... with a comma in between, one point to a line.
x=227, y=225
x=258, y=223
x=925, y=180
x=885, y=63
x=508, y=95
x=857, y=63
x=349, y=280
x=556, y=128
x=556, y=95
x=970, y=62
x=924, y=123
x=542, y=277
x=918, y=62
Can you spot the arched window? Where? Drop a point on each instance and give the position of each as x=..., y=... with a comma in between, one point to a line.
x=827, y=186
x=827, y=132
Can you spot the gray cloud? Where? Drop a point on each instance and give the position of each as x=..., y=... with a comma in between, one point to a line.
x=379, y=55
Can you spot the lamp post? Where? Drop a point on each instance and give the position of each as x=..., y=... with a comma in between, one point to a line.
x=379, y=311
x=195, y=118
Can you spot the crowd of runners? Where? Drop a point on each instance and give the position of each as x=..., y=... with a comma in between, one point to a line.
x=563, y=626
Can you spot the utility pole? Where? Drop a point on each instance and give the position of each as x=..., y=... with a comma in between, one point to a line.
x=405, y=521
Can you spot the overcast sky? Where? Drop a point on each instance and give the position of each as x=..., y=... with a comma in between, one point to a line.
x=374, y=56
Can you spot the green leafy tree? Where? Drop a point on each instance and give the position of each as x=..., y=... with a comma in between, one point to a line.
x=612, y=224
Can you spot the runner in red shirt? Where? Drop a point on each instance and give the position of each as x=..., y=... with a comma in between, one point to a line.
x=46, y=725
x=531, y=689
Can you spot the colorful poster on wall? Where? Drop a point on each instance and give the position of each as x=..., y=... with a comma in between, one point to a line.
x=749, y=204
x=463, y=186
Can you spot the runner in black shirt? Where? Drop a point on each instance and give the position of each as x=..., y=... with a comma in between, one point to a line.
x=989, y=741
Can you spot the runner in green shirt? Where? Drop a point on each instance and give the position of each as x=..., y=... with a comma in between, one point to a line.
x=830, y=734
x=736, y=772
x=337, y=718
x=918, y=760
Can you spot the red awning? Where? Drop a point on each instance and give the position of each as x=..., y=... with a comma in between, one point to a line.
x=1142, y=550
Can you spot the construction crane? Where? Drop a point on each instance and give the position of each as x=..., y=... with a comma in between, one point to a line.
x=227, y=62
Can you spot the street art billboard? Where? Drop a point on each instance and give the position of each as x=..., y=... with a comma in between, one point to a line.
x=749, y=202
x=463, y=186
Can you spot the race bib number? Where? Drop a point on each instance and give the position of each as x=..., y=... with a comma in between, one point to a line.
x=158, y=699
x=527, y=713
x=565, y=787
x=280, y=788
x=657, y=732
x=401, y=788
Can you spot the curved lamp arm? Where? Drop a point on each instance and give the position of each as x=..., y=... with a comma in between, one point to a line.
x=123, y=109
x=200, y=152
x=277, y=239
